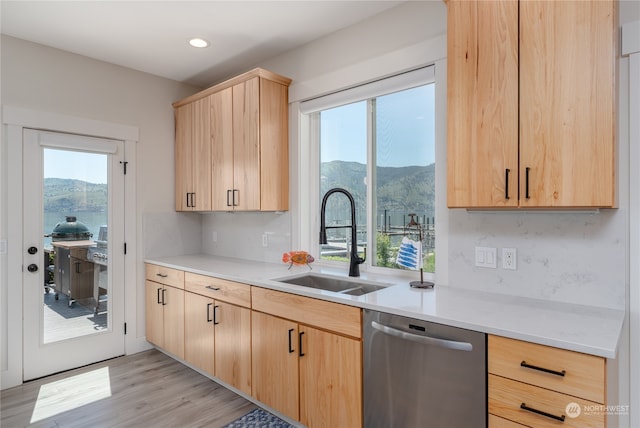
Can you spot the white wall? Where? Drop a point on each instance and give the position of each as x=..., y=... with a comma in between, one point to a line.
x=48, y=80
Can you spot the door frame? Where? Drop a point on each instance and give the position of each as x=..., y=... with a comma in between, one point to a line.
x=14, y=119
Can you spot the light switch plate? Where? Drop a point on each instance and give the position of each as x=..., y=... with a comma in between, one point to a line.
x=486, y=257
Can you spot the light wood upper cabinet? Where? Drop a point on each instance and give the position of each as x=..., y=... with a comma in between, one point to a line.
x=567, y=122
x=482, y=103
x=247, y=125
x=538, y=133
x=193, y=156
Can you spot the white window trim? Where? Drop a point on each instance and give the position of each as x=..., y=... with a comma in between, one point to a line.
x=308, y=196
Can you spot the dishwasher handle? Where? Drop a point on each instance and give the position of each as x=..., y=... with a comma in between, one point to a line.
x=425, y=340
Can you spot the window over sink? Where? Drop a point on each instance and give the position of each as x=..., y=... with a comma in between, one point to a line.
x=377, y=141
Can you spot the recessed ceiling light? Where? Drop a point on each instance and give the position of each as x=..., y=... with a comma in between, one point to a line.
x=197, y=42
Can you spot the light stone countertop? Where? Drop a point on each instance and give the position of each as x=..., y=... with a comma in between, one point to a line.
x=587, y=329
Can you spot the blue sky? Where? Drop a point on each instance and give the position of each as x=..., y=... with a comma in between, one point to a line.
x=405, y=129
x=90, y=167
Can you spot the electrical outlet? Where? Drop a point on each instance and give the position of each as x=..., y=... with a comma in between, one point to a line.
x=509, y=258
x=486, y=257
x=265, y=240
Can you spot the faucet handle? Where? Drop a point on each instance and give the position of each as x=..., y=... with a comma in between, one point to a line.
x=361, y=260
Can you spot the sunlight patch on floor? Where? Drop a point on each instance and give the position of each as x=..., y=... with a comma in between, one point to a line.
x=71, y=393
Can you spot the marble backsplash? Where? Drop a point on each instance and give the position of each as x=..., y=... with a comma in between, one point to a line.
x=566, y=257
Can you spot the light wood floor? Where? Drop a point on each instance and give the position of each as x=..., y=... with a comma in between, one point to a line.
x=147, y=389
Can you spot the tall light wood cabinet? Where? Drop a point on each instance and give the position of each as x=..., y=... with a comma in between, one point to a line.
x=193, y=156
x=248, y=129
x=530, y=115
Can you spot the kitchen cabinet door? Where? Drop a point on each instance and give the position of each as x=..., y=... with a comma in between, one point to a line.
x=154, y=314
x=199, y=332
x=183, y=156
x=246, y=145
x=330, y=379
x=173, y=307
x=193, y=156
x=482, y=104
x=567, y=122
x=274, y=363
x=222, y=150
x=233, y=345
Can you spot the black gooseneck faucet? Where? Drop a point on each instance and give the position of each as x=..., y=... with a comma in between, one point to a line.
x=354, y=260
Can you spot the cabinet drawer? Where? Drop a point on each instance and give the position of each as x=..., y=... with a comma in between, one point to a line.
x=507, y=397
x=335, y=317
x=219, y=289
x=165, y=275
x=498, y=422
x=584, y=375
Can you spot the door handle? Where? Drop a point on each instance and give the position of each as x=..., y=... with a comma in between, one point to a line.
x=209, y=311
x=300, y=343
x=425, y=340
x=215, y=315
x=291, y=350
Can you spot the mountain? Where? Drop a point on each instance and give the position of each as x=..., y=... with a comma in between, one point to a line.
x=409, y=189
x=69, y=195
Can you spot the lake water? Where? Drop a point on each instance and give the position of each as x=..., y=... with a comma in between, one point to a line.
x=92, y=220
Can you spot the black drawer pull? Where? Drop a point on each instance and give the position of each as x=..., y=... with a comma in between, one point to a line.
x=211, y=287
x=162, y=275
x=542, y=369
x=506, y=183
x=215, y=315
x=291, y=350
x=523, y=406
x=300, y=343
x=209, y=311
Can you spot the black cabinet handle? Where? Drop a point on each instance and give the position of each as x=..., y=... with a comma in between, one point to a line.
x=215, y=315
x=212, y=288
x=300, y=343
x=163, y=301
x=560, y=418
x=188, y=203
x=209, y=311
x=291, y=350
x=158, y=295
x=193, y=200
x=542, y=369
x=526, y=182
x=236, y=201
x=162, y=275
x=228, y=193
x=506, y=183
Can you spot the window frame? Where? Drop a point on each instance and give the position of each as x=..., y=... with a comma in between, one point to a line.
x=309, y=160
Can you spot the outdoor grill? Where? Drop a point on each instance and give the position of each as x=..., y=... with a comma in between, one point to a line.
x=70, y=230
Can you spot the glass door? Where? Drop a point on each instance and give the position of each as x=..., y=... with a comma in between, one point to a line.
x=74, y=217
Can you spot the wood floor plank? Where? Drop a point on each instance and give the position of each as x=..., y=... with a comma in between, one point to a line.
x=148, y=389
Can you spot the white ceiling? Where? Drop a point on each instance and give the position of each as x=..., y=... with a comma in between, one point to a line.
x=151, y=36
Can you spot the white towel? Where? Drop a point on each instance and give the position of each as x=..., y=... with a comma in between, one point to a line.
x=410, y=254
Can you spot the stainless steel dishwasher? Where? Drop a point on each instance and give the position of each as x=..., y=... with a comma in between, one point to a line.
x=419, y=374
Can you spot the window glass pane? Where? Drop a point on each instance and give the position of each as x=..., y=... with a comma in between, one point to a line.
x=404, y=201
x=343, y=164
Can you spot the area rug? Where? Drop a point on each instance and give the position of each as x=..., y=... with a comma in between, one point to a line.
x=258, y=418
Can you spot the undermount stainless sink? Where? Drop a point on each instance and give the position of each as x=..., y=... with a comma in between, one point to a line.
x=352, y=287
